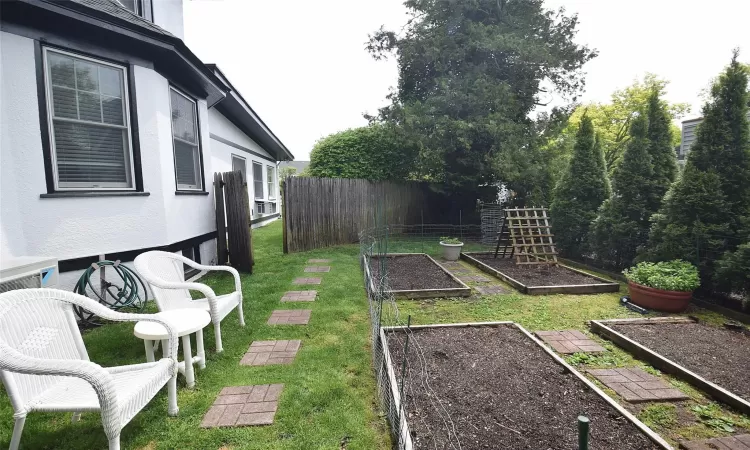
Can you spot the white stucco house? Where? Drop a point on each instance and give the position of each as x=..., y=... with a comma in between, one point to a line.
x=111, y=130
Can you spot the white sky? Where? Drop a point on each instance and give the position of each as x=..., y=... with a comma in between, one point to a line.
x=303, y=67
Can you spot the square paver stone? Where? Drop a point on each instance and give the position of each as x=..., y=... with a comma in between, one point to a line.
x=637, y=386
x=299, y=296
x=290, y=317
x=318, y=261
x=569, y=341
x=491, y=289
x=265, y=353
x=315, y=269
x=238, y=406
x=307, y=281
x=736, y=442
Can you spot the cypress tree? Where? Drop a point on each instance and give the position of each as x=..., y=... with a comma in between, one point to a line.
x=663, y=156
x=622, y=224
x=701, y=214
x=579, y=193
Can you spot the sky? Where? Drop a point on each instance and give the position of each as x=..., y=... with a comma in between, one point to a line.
x=303, y=67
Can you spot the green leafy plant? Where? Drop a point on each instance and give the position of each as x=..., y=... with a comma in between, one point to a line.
x=659, y=415
x=598, y=360
x=711, y=416
x=450, y=240
x=674, y=275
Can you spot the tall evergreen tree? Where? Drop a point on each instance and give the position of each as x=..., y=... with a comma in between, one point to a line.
x=660, y=148
x=703, y=210
x=622, y=224
x=579, y=193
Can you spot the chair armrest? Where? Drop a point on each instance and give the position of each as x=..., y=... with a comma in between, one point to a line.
x=195, y=265
x=99, y=379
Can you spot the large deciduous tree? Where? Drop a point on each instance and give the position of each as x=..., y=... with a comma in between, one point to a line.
x=702, y=214
x=470, y=74
x=579, y=193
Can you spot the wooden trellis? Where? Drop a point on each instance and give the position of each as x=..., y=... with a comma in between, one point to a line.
x=530, y=236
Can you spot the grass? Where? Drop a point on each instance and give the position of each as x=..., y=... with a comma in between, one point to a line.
x=659, y=415
x=329, y=396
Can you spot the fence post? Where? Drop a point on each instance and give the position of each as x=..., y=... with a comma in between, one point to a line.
x=221, y=226
x=238, y=222
x=285, y=237
x=583, y=433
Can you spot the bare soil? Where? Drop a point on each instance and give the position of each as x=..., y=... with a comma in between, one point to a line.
x=719, y=355
x=412, y=272
x=492, y=387
x=536, y=274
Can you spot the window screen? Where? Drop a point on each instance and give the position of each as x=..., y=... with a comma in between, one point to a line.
x=258, y=180
x=90, y=131
x=240, y=165
x=270, y=180
x=187, y=158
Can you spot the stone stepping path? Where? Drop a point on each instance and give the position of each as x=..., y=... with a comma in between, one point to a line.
x=313, y=269
x=636, y=386
x=299, y=296
x=492, y=289
x=265, y=353
x=737, y=442
x=290, y=317
x=474, y=278
x=239, y=406
x=318, y=261
x=569, y=341
x=307, y=281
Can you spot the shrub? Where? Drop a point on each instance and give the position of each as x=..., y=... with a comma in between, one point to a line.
x=733, y=272
x=674, y=275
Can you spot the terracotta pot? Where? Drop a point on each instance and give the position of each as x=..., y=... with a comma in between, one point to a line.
x=659, y=299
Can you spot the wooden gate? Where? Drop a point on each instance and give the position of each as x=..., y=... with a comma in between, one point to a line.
x=234, y=239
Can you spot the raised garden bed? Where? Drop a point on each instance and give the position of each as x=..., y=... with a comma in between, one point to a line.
x=537, y=279
x=714, y=359
x=417, y=275
x=493, y=385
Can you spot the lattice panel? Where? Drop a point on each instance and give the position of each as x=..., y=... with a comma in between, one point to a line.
x=531, y=236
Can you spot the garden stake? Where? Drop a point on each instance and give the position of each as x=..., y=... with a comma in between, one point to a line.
x=583, y=433
x=403, y=364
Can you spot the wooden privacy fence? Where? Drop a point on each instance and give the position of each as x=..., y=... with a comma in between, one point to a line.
x=320, y=212
x=234, y=241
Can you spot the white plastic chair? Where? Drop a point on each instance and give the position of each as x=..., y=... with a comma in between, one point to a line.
x=45, y=367
x=164, y=273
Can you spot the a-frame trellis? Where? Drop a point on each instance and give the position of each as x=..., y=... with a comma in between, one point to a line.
x=527, y=233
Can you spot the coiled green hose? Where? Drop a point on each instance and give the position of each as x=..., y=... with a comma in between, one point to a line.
x=132, y=294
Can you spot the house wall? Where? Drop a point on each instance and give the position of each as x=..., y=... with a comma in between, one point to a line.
x=70, y=228
x=168, y=15
x=221, y=155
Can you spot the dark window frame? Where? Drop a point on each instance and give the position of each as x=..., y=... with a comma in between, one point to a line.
x=45, y=121
x=202, y=176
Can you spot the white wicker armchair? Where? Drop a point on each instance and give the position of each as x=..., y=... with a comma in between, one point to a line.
x=164, y=273
x=45, y=367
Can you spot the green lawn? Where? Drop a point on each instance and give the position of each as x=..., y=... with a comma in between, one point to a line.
x=329, y=395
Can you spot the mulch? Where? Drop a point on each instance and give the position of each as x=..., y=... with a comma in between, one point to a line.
x=500, y=390
x=412, y=272
x=719, y=355
x=536, y=275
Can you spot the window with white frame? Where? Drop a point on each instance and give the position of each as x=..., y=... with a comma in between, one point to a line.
x=258, y=179
x=270, y=178
x=239, y=164
x=88, y=111
x=186, y=142
x=134, y=6
x=260, y=207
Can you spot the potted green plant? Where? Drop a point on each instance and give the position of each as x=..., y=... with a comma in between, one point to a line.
x=663, y=286
x=451, y=248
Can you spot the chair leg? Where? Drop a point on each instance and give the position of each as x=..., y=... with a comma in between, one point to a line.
x=114, y=442
x=76, y=417
x=15, y=441
x=241, y=313
x=172, y=408
x=217, y=335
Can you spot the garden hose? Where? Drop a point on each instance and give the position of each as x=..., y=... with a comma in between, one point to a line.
x=132, y=294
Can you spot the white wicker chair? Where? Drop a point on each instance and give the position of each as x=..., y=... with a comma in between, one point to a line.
x=164, y=273
x=45, y=367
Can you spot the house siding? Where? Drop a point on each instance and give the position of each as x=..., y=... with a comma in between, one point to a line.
x=69, y=228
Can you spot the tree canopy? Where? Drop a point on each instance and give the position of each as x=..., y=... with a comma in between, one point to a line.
x=612, y=120
x=579, y=193
x=470, y=74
